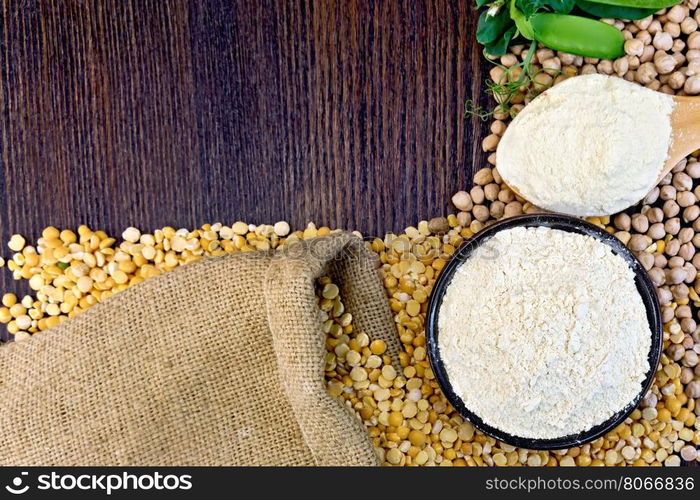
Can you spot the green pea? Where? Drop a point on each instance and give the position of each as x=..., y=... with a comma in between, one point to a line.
x=598, y=9
x=578, y=35
x=640, y=4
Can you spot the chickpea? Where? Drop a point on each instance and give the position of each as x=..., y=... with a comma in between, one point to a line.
x=686, y=375
x=620, y=66
x=640, y=223
x=675, y=352
x=544, y=54
x=689, y=25
x=638, y=242
x=462, y=201
x=566, y=58
x=654, y=27
x=513, y=208
x=496, y=74
x=506, y=195
x=483, y=176
x=464, y=219
x=686, y=199
x=655, y=214
x=682, y=181
x=645, y=37
x=676, y=275
x=517, y=49
x=662, y=41
x=677, y=47
x=480, y=213
x=622, y=221
x=606, y=67
x=643, y=23
x=658, y=277
x=551, y=66
x=675, y=261
x=497, y=209
x=692, y=85
x=668, y=192
x=588, y=69
x=665, y=64
x=690, y=359
x=633, y=62
x=680, y=166
x=688, y=325
x=647, y=53
x=694, y=40
x=687, y=251
x=634, y=47
x=683, y=312
x=542, y=81
x=646, y=259
x=691, y=213
x=676, y=80
x=491, y=191
x=652, y=196
x=490, y=142
x=685, y=235
x=647, y=73
x=509, y=60
x=498, y=127
x=672, y=249
x=477, y=194
x=692, y=390
x=672, y=29
x=672, y=226
x=693, y=169
x=677, y=13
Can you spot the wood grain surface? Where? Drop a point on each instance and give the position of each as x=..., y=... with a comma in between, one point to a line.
x=151, y=113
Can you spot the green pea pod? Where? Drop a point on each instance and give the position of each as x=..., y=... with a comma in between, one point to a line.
x=640, y=4
x=521, y=22
x=578, y=35
x=613, y=11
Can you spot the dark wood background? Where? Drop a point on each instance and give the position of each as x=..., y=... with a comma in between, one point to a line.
x=151, y=113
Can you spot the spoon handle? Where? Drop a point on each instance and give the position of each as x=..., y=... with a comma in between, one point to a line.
x=685, y=123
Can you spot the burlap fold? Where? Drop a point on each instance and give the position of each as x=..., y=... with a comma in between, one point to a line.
x=219, y=362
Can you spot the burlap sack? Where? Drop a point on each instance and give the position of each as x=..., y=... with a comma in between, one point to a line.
x=219, y=362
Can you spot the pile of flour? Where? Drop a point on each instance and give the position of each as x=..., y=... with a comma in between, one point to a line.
x=543, y=332
x=591, y=145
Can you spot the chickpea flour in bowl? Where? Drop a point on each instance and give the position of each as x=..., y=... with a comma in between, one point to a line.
x=544, y=331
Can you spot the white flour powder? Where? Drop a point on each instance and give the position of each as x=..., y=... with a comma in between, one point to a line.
x=591, y=145
x=543, y=333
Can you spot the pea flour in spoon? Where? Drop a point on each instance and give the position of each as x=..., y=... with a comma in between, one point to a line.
x=591, y=145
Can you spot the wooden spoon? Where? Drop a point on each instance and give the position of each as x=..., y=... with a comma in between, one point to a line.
x=685, y=135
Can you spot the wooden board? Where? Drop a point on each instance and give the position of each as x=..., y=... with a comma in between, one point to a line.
x=152, y=113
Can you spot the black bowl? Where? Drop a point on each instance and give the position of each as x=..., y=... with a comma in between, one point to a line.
x=565, y=223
